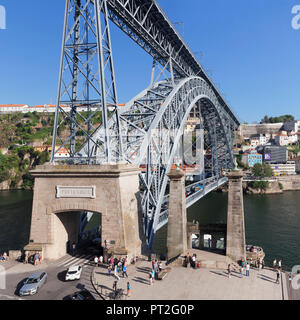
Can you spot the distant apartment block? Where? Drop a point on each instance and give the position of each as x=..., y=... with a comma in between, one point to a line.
x=288, y=168
x=259, y=140
x=274, y=154
x=283, y=139
x=251, y=158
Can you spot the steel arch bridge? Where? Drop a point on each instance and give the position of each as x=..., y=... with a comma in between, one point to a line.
x=149, y=130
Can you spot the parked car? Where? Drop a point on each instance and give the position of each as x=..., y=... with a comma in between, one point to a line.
x=32, y=285
x=80, y=295
x=73, y=273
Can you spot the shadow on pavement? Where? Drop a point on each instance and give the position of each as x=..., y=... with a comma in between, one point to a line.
x=141, y=280
x=19, y=286
x=61, y=276
x=220, y=273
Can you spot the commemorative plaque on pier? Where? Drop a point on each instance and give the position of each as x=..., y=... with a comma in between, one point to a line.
x=76, y=192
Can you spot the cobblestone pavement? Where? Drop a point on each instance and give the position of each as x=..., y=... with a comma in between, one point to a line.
x=189, y=284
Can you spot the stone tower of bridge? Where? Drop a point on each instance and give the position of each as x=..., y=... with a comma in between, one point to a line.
x=235, y=243
x=177, y=220
x=61, y=192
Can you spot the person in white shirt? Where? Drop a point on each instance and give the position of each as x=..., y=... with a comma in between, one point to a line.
x=248, y=270
x=96, y=260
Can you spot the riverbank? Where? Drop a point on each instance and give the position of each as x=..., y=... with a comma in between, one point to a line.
x=273, y=185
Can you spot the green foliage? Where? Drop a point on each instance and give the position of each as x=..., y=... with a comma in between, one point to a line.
x=280, y=185
x=259, y=185
x=295, y=149
x=284, y=118
x=262, y=170
x=240, y=163
x=28, y=180
x=7, y=162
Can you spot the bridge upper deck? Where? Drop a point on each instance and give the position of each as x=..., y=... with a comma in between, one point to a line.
x=146, y=23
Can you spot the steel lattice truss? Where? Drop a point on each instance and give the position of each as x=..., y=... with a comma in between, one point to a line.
x=149, y=130
x=152, y=126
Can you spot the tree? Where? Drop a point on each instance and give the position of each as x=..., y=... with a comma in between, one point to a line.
x=257, y=170
x=284, y=118
x=262, y=170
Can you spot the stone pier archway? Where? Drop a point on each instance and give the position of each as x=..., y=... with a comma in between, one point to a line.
x=110, y=190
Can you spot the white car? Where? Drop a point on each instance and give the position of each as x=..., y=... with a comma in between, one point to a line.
x=74, y=273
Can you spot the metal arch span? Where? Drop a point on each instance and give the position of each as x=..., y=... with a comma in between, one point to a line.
x=152, y=125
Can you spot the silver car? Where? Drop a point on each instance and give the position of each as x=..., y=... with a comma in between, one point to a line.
x=33, y=284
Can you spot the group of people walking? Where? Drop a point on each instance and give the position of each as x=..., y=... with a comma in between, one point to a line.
x=259, y=264
x=119, y=266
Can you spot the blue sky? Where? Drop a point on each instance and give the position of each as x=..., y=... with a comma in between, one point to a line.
x=249, y=46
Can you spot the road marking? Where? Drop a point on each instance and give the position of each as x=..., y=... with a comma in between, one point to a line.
x=75, y=261
x=9, y=297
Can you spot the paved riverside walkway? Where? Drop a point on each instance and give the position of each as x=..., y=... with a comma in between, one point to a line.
x=189, y=284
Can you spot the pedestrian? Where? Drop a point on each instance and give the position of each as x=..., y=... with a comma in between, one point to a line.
x=241, y=271
x=5, y=256
x=251, y=262
x=26, y=257
x=109, y=270
x=277, y=276
x=115, y=285
x=159, y=266
x=248, y=270
x=194, y=261
x=101, y=259
x=36, y=259
x=274, y=263
x=125, y=271
x=243, y=264
x=229, y=271
x=150, y=279
x=120, y=267
x=153, y=274
x=96, y=260
x=40, y=258
x=128, y=289
x=187, y=259
x=279, y=264
x=73, y=249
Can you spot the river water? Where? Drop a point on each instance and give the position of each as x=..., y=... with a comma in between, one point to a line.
x=271, y=221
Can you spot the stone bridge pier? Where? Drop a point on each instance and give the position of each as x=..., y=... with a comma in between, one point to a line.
x=61, y=192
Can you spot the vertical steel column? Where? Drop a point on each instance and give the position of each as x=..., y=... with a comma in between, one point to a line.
x=60, y=80
x=75, y=78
